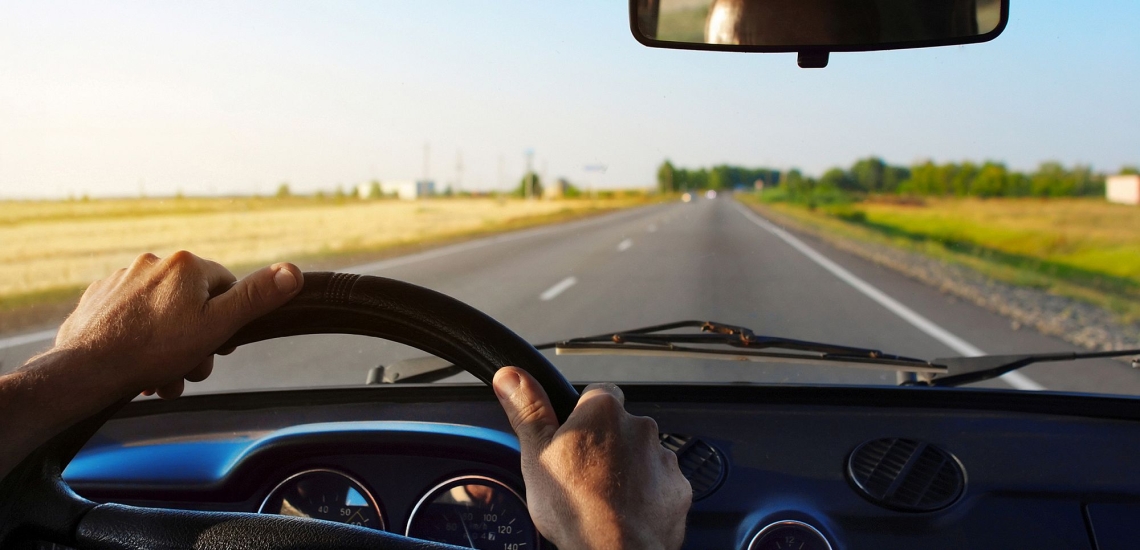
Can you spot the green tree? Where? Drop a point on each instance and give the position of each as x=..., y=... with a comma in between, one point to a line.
x=869, y=174
x=283, y=190
x=796, y=185
x=665, y=178
x=699, y=179
x=1130, y=171
x=720, y=177
x=533, y=181
x=375, y=191
x=923, y=180
x=992, y=181
x=837, y=179
x=1050, y=180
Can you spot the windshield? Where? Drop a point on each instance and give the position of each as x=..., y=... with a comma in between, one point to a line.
x=535, y=161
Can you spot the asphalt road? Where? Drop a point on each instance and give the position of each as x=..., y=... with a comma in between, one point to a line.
x=710, y=260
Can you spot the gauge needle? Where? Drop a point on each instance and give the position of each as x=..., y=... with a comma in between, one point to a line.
x=465, y=532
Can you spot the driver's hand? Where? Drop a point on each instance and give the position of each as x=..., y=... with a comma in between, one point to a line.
x=602, y=479
x=157, y=323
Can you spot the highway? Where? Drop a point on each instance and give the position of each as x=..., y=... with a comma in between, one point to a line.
x=711, y=259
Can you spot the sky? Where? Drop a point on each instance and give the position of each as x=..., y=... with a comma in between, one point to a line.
x=225, y=97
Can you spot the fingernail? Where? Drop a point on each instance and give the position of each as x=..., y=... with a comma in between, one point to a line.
x=285, y=280
x=506, y=384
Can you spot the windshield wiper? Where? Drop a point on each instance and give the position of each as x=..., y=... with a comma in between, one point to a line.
x=709, y=341
x=745, y=345
x=967, y=370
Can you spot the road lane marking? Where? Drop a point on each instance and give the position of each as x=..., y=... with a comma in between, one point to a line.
x=624, y=245
x=553, y=292
x=480, y=243
x=14, y=341
x=952, y=341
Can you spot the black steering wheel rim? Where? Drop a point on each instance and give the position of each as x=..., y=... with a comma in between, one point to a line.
x=37, y=502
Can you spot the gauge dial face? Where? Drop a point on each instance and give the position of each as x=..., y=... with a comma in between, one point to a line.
x=327, y=495
x=474, y=512
x=789, y=535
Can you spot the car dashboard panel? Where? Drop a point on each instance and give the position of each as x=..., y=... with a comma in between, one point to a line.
x=830, y=468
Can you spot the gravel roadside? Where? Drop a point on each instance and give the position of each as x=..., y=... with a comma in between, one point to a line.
x=1078, y=322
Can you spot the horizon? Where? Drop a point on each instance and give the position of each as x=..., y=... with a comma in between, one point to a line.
x=130, y=99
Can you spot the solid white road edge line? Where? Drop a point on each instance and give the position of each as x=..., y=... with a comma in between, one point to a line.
x=560, y=287
x=31, y=338
x=624, y=245
x=1015, y=379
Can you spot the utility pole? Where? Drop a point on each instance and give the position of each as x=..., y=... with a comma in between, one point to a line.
x=427, y=160
x=543, y=173
x=458, y=170
x=528, y=186
x=502, y=171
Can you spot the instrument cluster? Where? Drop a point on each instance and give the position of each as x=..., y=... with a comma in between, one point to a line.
x=470, y=511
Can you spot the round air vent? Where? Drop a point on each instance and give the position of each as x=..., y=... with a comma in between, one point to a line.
x=906, y=475
x=700, y=462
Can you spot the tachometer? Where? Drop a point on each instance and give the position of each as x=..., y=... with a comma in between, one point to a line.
x=324, y=494
x=474, y=512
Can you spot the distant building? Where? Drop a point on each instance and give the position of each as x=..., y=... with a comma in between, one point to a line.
x=402, y=189
x=1123, y=189
x=557, y=190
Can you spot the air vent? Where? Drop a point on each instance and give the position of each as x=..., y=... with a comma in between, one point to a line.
x=700, y=462
x=906, y=475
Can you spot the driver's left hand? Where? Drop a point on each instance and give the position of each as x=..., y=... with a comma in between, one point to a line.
x=157, y=323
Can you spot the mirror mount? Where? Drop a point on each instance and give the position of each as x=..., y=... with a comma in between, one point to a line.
x=813, y=59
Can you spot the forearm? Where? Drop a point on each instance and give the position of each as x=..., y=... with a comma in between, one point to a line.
x=51, y=392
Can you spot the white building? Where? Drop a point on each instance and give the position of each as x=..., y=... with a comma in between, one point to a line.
x=403, y=189
x=1123, y=189
x=556, y=189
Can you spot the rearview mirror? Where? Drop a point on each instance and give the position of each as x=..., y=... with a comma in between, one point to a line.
x=815, y=27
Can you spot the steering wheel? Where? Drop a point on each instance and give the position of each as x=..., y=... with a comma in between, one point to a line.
x=37, y=502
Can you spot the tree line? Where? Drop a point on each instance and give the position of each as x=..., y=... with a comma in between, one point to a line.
x=671, y=179
x=872, y=175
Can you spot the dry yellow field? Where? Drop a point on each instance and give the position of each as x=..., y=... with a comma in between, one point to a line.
x=49, y=246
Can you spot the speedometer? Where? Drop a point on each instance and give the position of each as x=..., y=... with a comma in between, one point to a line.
x=474, y=512
x=324, y=494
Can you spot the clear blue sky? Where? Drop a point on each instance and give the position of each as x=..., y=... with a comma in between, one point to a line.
x=223, y=97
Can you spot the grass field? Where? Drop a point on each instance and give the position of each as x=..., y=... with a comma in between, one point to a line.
x=1083, y=248
x=50, y=250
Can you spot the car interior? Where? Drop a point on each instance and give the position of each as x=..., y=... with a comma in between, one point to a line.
x=415, y=464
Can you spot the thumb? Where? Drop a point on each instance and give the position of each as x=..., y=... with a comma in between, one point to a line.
x=257, y=294
x=527, y=407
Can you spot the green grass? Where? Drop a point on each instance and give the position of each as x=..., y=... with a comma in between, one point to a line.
x=1082, y=248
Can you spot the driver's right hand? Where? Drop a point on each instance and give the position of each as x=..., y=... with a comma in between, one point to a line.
x=602, y=479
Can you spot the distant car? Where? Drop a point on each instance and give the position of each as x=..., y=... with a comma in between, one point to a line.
x=687, y=197
x=710, y=194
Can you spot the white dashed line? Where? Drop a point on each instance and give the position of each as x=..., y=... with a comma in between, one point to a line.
x=952, y=341
x=553, y=292
x=624, y=245
x=13, y=341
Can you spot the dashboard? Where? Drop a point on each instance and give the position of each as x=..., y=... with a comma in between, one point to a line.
x=773, y=467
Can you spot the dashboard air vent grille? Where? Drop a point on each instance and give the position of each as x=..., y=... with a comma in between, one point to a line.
x=701, y=463
x=906, y=475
